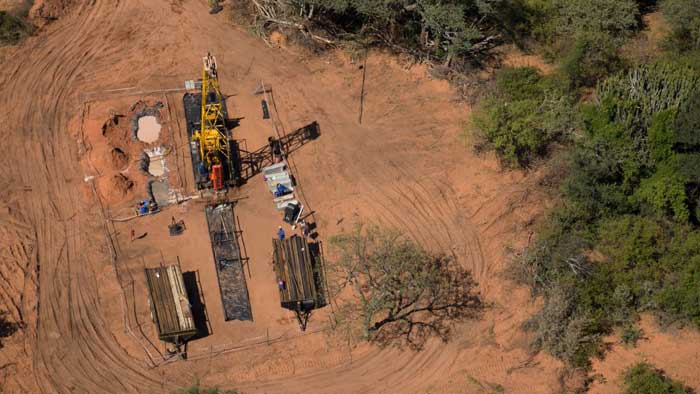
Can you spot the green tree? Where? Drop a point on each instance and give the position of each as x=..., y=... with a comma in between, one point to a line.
x=524, y=116
x=398, y=292
x=643, y=378
x=619, y=18
x=665, y=192
x=683, y=17
x=594, y=55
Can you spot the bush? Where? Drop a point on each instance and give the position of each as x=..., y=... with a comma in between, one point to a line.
x=519, y=83
x=630, y=335
x=562, y=329
x=453, y=32
x=525, y=115
x=679, y=297
x=635, y=96
x=684, y=18
x=196, y=388
x=618, y=19
x=12, y=29
x=592, y=57
x=7, y=328
x=643, y=378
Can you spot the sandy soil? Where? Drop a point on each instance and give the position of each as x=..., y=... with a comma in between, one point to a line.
x=73, y=280
x=674, y=351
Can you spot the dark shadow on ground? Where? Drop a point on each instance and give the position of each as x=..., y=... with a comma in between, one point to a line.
x=199, y=311
x=7, y=328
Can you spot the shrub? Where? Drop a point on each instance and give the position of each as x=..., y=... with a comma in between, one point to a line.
x=665, y=192
x=615, y=18
x=592, y=57
x=519, y=83
x=679, y=298
x=12, y=28
x=643, y=378
x=630, y=335
x=684, y=18
x=562, y=329
x=635, y=96
x=524, y=116
x=630, y=199
x=196, y=388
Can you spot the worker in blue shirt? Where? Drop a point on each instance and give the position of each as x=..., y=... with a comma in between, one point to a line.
x=280, y=233
x=281, y=190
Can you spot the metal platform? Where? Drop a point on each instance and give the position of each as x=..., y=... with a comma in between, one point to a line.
x=229, y=263
x=192, y=103
x=170, y=306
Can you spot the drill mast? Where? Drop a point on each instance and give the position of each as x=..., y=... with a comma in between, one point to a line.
x=213, y=135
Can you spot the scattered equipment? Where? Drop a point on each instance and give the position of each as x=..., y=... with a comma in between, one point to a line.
x=170, y=306
x=292, y=212
x=176, y=227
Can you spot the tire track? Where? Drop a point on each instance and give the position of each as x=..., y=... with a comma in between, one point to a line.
x=72, y=349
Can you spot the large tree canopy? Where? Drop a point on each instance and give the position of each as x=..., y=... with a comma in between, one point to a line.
x=398, y=291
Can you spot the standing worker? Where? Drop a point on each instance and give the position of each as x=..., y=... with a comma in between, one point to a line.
x=304, y=228
x=280, y=233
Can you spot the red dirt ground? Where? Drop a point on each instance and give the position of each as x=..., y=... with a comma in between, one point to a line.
x=75, y=281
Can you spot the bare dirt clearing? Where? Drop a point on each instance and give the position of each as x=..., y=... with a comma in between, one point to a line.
x=402, y=167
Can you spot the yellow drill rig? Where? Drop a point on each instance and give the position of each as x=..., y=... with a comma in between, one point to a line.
x=212, y=137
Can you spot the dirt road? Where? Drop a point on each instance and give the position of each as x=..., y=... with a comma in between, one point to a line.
x=403, y=166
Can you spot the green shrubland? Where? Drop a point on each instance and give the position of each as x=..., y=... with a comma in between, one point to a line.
x=631, y=196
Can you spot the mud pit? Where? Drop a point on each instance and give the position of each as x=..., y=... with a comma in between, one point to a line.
x=149, y=129
x=156, y=161
x=404, y=157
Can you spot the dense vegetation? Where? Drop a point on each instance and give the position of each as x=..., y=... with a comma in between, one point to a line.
x=632, y=197
x=398, y=292
x=643, y=378
x=684, y=19
x=624, y=238
x=456, y=33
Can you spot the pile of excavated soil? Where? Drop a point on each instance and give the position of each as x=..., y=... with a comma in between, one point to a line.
x=116, y=131
x=120, y=160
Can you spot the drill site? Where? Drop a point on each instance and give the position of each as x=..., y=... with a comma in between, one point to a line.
x=181, y=194
x=188, y=182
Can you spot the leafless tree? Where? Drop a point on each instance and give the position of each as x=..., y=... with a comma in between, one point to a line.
x=398, y=292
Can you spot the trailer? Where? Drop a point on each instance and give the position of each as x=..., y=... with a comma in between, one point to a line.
x=170, y=307
x=228, y=261
x=297, y=265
